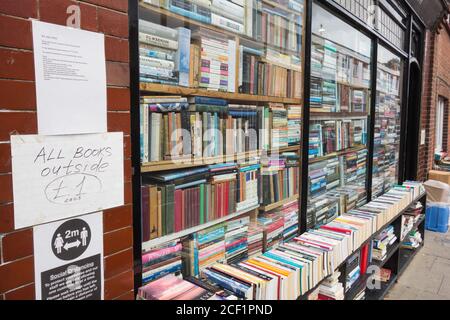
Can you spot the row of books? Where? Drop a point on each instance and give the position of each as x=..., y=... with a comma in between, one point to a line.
x=269, y=73
x=280, y=178
x=205, y=59
x=176, y=128
x=175, y=201
x=336, y=135
x=383, y=243
x=278, y=26
x=179, y=200
x=228, y=242
x=339, y=171
x=337, y=63
x=311, y=257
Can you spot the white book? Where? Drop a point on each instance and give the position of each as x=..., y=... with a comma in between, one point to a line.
x=226, y=23
x=158, y=63
x=232, y=66
x=156, y=29
x=158, y=41
x=155, y=144
x=228, y=10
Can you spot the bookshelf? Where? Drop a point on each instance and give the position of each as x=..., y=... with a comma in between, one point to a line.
x=238, y=77
x=217, y=130
x=397, y=258
x=154, y=243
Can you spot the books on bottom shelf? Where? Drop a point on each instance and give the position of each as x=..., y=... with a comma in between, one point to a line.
x=288, y=270
x=173, y=287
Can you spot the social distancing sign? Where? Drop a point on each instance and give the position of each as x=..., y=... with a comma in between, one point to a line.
x=68, y=259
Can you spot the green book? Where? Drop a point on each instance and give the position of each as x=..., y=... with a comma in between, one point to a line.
x=202, y=204
x=170, y=209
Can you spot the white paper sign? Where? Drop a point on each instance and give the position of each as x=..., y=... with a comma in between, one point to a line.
x=68, y=259
x=57, y=177
x=70, y=72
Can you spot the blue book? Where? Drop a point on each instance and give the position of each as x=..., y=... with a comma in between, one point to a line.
x=180, y=174
x=209, y=101
x=190, y=14
x=183, y=56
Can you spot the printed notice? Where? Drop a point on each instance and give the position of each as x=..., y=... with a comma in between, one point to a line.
x=68, y=259
x=70, y=72
x=58, y=177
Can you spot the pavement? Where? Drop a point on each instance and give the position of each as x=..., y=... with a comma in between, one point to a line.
x=428, y=275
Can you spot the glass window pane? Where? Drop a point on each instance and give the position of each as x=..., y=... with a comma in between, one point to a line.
x=340, y=105
x=387, y=122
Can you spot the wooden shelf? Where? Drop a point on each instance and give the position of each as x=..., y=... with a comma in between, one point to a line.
x=337, y=115
x=199, y=162
x=185, y=21
x=155, y=242
x=337, y=154
x=280, y=6
x=278, y=204
x=162, y=88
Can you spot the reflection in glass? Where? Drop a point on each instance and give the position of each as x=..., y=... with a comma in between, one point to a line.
x=387, y=122
x=340, y=106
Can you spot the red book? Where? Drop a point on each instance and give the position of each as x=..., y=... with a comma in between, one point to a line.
x=145, y=210
x=364, y=259
x=340, y=230
x=227, y=193
x=183, y=211
x=178, y=210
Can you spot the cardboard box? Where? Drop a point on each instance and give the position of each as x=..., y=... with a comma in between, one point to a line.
x=442, y=176
x=437, y=191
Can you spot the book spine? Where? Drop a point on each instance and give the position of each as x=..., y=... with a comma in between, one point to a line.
x=182, y=57
x=226, y=23
x=156, y=63
x=158, y=41
x=190, y=14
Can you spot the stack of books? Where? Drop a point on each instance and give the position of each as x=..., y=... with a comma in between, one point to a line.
x=279, y=126
x=216, y=52
x=294, y=115
x=353, y=270
x=236, y=240
x=382, y=243
x=331, y=288
x=203, y=249
x=413, y=240
x=162, y=260
x=164, y=54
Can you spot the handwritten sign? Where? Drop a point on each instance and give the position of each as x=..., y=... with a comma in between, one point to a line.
x=70, y=69
x=57, y=177
x=68, y=259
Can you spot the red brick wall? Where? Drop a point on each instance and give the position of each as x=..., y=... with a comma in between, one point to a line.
x=18, y=115
x=436, y=84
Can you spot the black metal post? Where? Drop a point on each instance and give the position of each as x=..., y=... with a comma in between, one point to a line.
x=133, y=16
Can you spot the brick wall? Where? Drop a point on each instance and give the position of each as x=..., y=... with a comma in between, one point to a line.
x=436, y=84
x=18, y=115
